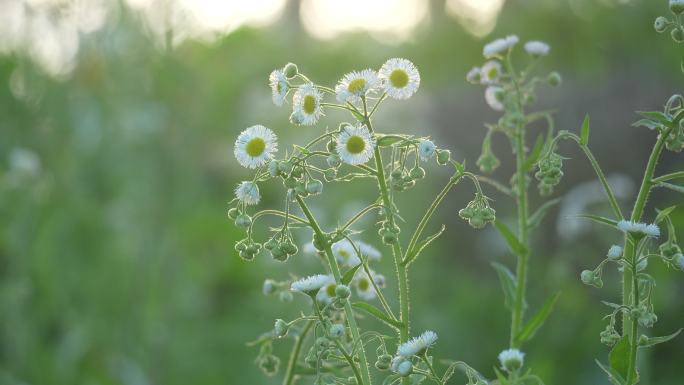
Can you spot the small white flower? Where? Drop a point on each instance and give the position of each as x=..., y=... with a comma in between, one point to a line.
x=356, y=84
x=493, y=98
x=499, y=46
x=344, y=253
x=278, y=82
x=511, y=359
x=615, y=252
x=355, y=145
x=417, y=345
x=306, y=104
x=326, y=294
x=311, y=284
x=537, y=48
x=400, y=78
x=490, y=72
x=651, y=230
x=255, y=146
x=426, y=149
x=368, y=251
x=248, y=193
x=364, y=286
x=473, y=76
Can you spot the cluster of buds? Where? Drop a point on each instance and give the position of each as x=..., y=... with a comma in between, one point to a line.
x=644, y=316
x=268, y=362
x=281, y=247
x=662, y=23
x=549, y=172
x=592, y=278
x=478, y=212
x=247, y=249
x=610, y=336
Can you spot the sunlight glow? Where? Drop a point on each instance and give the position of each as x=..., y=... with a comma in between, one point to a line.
x=477, y=16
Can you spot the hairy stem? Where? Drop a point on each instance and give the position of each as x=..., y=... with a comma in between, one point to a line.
x=294, y=355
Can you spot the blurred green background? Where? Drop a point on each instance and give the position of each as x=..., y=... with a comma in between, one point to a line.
x=117, y=121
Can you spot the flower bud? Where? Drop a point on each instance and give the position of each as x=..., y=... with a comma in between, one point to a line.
x=280, y=328
x=285, y=297
x=660, y=24
x=417, y=173
x=405, y=368
x=233, y=213
x=677, y=35
x=290, y=70
x=677, y=6
x=587, y=277
x=383, y=362
x=314, y=187
x=443, y=157
x=336, y=331
x=342, y=291
x=679, y=261
x=273, y=168
x=296, y=118
x=243, y=220
x=554, y=79
x=269, y=287
x=488, y=162
x=330, y=174
x=511, y=359
x=269, y=364
x=334, y=160
x=615, y=252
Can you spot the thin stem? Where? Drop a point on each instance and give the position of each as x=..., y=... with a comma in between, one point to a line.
x=666, y=177
x=294, y=356
x=358, y=216
x=521, y=268
x=348, y=311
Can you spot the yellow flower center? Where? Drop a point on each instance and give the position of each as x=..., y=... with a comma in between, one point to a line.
x=364, y=284
x=356, y=145
x=255, y=147
x=330, y=290
x=344, y=254
x=356, y=86
x=399, y=78
x=493, y=72
x=309, y=104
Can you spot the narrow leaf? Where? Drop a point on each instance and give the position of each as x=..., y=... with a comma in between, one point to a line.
x=538, y=320
x=388, y=140
x=377, y=313
x=516, y=247
x=662, y=214
x=508, y=283
x=349, y=275
x=659, y=340
x=422, y=245
x=619, y=358
x=648, y=123
x=536, y=218
x=599, y=219
x=584, y=136
x=534, y=155
x=613, y=376
x=656, y=116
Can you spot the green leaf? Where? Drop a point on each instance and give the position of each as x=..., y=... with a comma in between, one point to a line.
x=536, y=218
x=619, y=358
x=499, y=376
x=659, y=340
x=388, y=140
x=651, y=125
x=664, y=213
x=349, y=275
x=534, y=155
x=377, y=313
x=508, y=283
x=516, y=247
x=613, y=376
x=584, y=135
x=460, y=167
x=656, y=116
x=599, y=219
x=422, y=245
x=529, y=330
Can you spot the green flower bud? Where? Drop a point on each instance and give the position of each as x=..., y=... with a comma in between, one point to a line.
x=314, y=187
x=322, y=342
x=296, y=119
x=243, y=220
x=677, y=35
x=647, y=319
x=488, y=162
x=336, y=331
x=330, y=174
x=290, y=70
x=660, y=24
x=677, y=6
x=334, y=160
x=554, y=79
x=342, y=291
x=280, y=328
x=331, y=146
x=285, y=167
x=609, y=336
x=269, y=287
x=587, y=277
x=285, y=297
x=233, y=213
x=389, y=238
x=443, y=157
x=289, y=248
x=270, y=244
x=278, y=254
x=301, y=190
x=417, y=173
x=311, y=358
x=291, y=182
x=269, y=364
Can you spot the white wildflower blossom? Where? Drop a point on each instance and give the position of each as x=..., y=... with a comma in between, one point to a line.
x=356, y=84
x=326, y=294
x=426, y=149
x=493, y=98
x=355, y=144
x=255, y=146
x=499, y=46
x=311, y=284
x=615, y=252
x=490, y=72
x=417, y=345
x=400, y=78
x=651, y=230
x=537, y=48
x=364, y=286
x=306, y=104
x=511, y=359
x=248, y=193
x=344, y=253
x=278, y=83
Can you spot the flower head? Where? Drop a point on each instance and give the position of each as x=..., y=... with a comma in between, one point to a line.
x=499, y=46
x=417, y=345
x=426, y=149
x=651, y=230
x=344, y=253
x=364, y=286
x=537, y=48
x=311, y=284
x=326, y=294
x=355, y=145
x=511, y=359
x=248, y=193
x=356, y=84
x=493, y=98
x=306, y=104
x=615, y=252
x=473, y=76
x=400, y=78
x=278, y=82
x=255, y=146
x=490, y=72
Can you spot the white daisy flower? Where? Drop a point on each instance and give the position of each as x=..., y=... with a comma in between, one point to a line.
x=368, y=251
x=326, y=294
x=426, y=149
x=311, y=284
x=248, y=193
x=306, y=104
x=278, y=82
x=493, y=98
x=400, y=78
x=537, y=48
x=490, y=72
x=650, y=230
x=499, y=46
x=344, y=253
x=364, y=286
x=417, y=345
x=511, y=359
x=615, y=252
x=255, y=146
x=356, y=84
x=473, y=76
x=355, y=145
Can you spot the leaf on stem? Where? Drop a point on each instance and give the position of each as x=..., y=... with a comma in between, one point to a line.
x=650, y=341
x=413, y=254
x=377, y=313
x=584, y=134
x=536, y=218
x=613, y=376
x=619, y=358
x=508, y=283
x=349, y=275
x=534, y=155
x=529, y=330
x=599, y=219
x=516, y=246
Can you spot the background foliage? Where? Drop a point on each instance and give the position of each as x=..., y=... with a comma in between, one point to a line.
x=116, y=258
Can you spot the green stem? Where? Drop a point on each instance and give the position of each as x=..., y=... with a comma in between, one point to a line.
x=521, y=269
x=348, y=311
x=631, y=367
x=294, y=356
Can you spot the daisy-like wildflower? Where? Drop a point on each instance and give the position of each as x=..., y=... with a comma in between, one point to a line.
x=473, y=76
x=650, y=230
x=492, y=97
x=511, y=359
x=426, y=149
x=311, y=284
x=278, y=82
x=255, y=146
x=499, y=46
x=248, y=193
x=364, y=286
x=417, y=345
x=356, y=84
x=326, y=294
x=537, y=48
x=400, y=78
x=368, y=251
x=615, y=252
x=490, y=72
x=355, y=145
x=306, y=104
x=344, y=253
